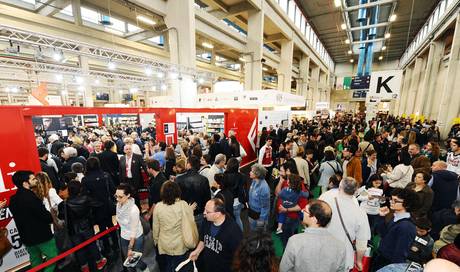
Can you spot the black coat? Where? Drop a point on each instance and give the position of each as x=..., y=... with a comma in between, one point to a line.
x=79, y=216
x=445, y=188
x=51, y=172
x=32, y=219
x=214, y=149
x=110, y=164
x=169, y=165
x=99, y=186
x=155, y=188
x=194, y=188
x=137, y=164
x=55, y=146
x=67, y=165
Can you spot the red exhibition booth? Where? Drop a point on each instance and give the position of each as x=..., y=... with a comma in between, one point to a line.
x=19, y=150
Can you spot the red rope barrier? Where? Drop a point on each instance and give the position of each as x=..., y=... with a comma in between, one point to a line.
x=72, y=250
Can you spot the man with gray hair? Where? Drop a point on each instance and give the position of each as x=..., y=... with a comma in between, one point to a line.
x=217, y=168
x=71, y=157
x=349, y=222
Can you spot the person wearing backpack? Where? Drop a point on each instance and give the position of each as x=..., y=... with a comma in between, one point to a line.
x=328, y=168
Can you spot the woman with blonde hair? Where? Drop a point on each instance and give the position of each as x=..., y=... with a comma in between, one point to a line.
x=46, y=192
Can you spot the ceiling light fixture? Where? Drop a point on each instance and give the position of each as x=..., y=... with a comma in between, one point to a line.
x=207, y=45
x=111, y=65
x=97, y=81
x=347, y=41
x=57, y=56
x=343, y=26
x=393, y=18
x=380, y=57
x=148, y=71
x=352, y=60
x=387, y=35
x=146, y=20
x=350, y=52
x=384, y=48
x=242, y=59
x=265, y=68
x=338, y=3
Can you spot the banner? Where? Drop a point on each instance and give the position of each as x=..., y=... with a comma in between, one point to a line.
x=385, y=84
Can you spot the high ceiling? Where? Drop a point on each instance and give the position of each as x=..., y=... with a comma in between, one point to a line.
x=327, y=19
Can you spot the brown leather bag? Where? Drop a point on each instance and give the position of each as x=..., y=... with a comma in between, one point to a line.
x=5, y=244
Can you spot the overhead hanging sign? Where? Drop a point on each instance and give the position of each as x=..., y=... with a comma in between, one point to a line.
x=386, y=84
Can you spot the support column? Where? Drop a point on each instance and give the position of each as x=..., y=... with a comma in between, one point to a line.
x=180, y=19
x=88, y=93
x=412, y=94
x=254, y=49
x=285, y=66
x=405, y=91
x=423, y=88
x=450, y=104
x=76, y=11
x=438, y=51
x=314, y=83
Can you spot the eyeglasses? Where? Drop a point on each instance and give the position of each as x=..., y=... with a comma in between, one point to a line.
x=396, y=201
x=118, y=197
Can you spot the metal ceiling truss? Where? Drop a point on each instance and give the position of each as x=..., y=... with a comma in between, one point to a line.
x=8, y=33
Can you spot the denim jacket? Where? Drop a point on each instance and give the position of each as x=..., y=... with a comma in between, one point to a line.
x=259, y=198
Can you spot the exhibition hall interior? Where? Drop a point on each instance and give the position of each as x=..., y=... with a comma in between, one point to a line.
x=230, y=135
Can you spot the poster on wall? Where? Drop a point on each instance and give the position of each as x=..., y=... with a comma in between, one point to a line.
x=346, y=83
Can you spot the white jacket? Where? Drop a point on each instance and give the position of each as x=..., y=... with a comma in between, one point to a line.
x=400, y=176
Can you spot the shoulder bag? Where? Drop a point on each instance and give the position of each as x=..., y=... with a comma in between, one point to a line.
x=189, y=228
x=353, y=245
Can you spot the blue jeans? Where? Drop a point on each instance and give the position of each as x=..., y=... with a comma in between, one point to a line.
x=237, y=214
x=138, y=246
x=258, y=224
x=289, y=228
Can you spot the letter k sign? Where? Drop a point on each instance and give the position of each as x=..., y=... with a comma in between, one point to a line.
x=383, y=84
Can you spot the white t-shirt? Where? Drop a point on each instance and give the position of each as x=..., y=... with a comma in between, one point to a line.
x=453, y=162
x=55, y=199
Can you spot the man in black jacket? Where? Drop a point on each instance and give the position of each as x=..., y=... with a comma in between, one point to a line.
x=131, y=166
x=194, y=187
x=445, y=186
x=157, y=178
x=43, y=154
x=109, y=162
x=33, y=221
x=220, y=236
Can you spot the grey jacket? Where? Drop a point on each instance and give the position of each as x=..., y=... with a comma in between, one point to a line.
x=312, y=251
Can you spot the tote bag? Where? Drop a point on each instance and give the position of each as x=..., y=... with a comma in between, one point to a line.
x=189, y=229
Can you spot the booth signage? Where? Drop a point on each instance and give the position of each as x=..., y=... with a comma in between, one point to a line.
x=386, y=84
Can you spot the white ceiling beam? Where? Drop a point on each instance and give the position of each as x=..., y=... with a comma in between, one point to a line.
x=369, y=5
x=370, y=26
x=52, y=7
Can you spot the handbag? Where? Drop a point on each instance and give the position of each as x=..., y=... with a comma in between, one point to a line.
x=189, y=229
x=5, y=244
x=184, y=263
x=253, y=214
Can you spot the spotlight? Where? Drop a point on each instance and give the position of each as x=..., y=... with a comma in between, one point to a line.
x=338, y=3
x=57, y=56
x=350, y=52
x=207, y=45
x=347, y=41
x=148, y=71
x=393, y=18
x=241, y=59
x=265, y=68
x=343, y=26
x=97, y=81
x=380, y=57
x=387, y=35
x=352, y=60
x=111, y=65
x=384, y=48
x=173, y=75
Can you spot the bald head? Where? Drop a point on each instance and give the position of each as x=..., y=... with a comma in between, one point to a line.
x=441, y=265
x=438, y=166
x=320, y=211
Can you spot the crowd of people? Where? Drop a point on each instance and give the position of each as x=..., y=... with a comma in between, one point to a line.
x=329, y=189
